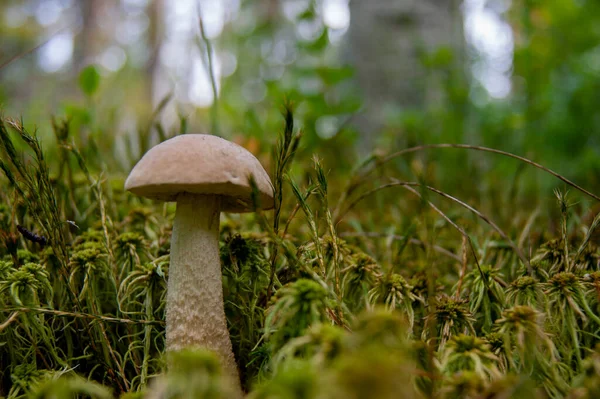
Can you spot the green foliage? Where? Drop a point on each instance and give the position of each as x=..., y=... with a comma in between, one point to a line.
x=195, y=374
x=467, y=353
x=89, y=80
x=348, y=290
x=61, y=386
x=99, y=305
x=297, y=306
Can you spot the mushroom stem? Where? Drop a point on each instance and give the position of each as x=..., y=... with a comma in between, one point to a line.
x=195, y=308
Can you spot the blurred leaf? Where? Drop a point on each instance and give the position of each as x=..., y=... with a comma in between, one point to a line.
x=442, y=57
x=89, y=80
x=308, y=14
x=332, y=76
x=317, y=45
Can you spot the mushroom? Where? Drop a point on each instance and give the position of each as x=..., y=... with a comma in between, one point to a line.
x=205, y=175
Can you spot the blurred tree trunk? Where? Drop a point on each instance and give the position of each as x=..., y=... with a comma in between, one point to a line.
x=385, y=42
x=90, y=38
x=155, y=34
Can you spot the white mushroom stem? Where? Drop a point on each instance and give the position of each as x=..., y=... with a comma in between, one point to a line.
x=195, y=308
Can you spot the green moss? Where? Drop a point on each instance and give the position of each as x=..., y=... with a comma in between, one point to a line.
x=403, y=313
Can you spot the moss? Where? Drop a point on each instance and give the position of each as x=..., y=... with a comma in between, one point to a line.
x=309, y=315
x=27, y=257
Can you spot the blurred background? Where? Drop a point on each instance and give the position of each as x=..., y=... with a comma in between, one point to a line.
x=522, y=76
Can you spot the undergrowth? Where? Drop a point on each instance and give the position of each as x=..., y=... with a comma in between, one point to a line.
x=318, y=305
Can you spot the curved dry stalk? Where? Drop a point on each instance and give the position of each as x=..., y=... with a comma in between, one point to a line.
x=413, y=241
x=528, y=226
x=338, y=217
x=588, y=236
x=500, y=152
x=361, y=178
x=485, y=219
x=396, y=182
x=409, y=186
x=457, y=227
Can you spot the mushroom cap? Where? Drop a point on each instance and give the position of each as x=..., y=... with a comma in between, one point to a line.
x=201, y=164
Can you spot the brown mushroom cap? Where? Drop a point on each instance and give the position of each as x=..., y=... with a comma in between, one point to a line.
x=201, y=164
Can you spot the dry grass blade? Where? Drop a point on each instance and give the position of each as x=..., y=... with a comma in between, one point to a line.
x=588, y=236
x=382, y=161
x=483, y=217
x=413, y=241
x=457, y=227
x=211, y=72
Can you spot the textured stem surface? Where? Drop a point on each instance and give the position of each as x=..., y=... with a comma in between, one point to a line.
x=195, y=310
